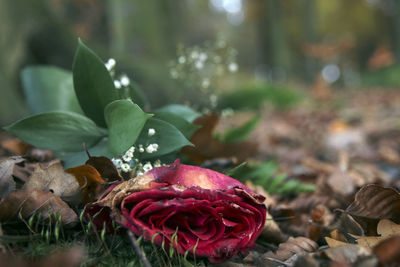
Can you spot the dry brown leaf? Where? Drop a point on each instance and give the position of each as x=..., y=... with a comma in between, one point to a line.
x=272, y=232
x=7, y=184
x=332, y=243
x=105, y=167
x=335, y=234
x=385, y=228
x=297, y=245
x=388, y=228
x=387, y=251
x=376, y=202
x=207, y=147
x=347, y=224
x=54, y=179
x=368, y=241
x=15, y=146
x=27, y=203
x=346, y=254
x=89, y=180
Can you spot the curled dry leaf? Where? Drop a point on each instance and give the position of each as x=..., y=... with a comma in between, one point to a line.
x=105, y=167
x=297, y=245
x=376, y=202
x=54, y=179
x=7, y=184
x=89, y=180
x=29, y=202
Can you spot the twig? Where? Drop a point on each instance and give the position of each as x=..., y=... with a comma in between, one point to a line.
x=142, y=257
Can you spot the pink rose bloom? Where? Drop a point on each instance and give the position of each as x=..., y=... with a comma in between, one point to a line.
x=207, y=211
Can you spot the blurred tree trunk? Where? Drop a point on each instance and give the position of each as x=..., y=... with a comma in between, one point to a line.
x=396, y=29
x=273, y=38
x=309, y=25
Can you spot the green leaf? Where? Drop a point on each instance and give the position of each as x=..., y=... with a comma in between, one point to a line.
x=232, y=172
x=241, y=133
x=73, y=159
x=125, y=121
x=167, y=136
x=277, y=181
x=49, y=88
x=57, y=130
x=186, y=128
x=93, y=84
x=265, y=169
x=183, y=111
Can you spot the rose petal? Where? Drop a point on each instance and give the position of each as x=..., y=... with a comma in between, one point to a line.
x=190, y=176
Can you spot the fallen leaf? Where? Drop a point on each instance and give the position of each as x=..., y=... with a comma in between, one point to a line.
x=297, y=245
x=15, y=146
x=347, y=224
x=387, y=251
x=89, y=180
x=29, y=202
x=105, y=167
x=388, y=228
x=347, y=253
x=335, y=234
x=207, y=147
x=272, y=232
x=376, y=202
x=385, y=229
x=54, y=179
x=368, y=241
x=7, y=183
x=332, y=243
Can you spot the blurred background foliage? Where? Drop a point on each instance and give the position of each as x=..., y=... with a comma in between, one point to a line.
x=276, y=44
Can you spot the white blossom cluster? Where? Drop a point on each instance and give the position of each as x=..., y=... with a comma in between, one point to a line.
x=122, y=84
x=128, y=163
x=199, y=67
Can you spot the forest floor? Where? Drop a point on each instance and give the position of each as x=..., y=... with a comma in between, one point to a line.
x=331, y=191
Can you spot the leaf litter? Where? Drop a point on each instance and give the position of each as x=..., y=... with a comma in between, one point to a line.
x=351, y=219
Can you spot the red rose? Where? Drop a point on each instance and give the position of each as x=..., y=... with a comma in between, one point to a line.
x=205, y=209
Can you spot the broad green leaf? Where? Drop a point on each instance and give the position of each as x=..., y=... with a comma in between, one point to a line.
x=57, y=130
x=49, y=88
x=73, y=159
x=241, y=133
x=125, y=121
x=186, y=128
x=182, y=111
x=93, y=84
x=167, y=136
